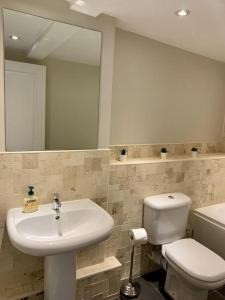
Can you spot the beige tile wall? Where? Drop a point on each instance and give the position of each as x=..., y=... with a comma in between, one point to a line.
x=72, y=174
x=101, y=286
x=202, y=180
x=118, y=188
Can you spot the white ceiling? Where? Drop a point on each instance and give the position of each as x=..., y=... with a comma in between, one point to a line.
x=202, y=32
x=41, y=38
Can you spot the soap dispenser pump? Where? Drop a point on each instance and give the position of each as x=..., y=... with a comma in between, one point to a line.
x=30, y=202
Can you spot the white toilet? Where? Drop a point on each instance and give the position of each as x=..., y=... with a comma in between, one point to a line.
x=192, y=269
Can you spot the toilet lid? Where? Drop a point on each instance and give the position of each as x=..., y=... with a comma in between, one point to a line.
x=196, y=260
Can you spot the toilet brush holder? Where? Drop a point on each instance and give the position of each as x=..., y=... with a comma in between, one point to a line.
x=131, y=289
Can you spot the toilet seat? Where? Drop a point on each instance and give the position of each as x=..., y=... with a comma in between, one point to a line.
x=196, y=263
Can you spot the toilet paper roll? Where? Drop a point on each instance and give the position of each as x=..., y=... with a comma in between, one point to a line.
x=138, y=236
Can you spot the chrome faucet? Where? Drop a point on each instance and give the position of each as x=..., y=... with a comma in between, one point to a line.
x=56, y=203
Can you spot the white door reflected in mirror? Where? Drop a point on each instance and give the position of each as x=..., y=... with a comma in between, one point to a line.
x=25, y=106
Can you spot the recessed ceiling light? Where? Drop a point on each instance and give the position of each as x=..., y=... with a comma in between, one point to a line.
x=14, y=37
x=80, y=2
x=183, y=12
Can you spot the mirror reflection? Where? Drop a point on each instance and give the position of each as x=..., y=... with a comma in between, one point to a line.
x=52, y=80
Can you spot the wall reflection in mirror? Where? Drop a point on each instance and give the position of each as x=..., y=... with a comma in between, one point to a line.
x=52, y=80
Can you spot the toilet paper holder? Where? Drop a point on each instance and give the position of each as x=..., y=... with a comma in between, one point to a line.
x=132, y=289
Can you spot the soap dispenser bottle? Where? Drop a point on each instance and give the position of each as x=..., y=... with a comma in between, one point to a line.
x=30, y=202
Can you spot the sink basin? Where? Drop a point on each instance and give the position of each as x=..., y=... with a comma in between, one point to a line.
x=80, y=223
x=83, y=223
x=209, y=227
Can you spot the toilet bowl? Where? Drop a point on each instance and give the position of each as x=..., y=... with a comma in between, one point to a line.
x=192, y=269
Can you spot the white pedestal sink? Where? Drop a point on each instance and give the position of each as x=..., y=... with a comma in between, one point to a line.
x=81, y=223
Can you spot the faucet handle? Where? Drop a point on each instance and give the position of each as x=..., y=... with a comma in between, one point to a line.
x=56, y=199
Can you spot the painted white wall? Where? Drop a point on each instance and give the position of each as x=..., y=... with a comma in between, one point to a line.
x=163, y=94
x=59, y=10
x=2, y=95
x=107, y=60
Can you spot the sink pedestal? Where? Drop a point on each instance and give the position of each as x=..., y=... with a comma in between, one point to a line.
x=59, y=279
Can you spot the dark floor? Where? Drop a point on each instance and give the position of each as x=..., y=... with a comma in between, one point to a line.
x=148, y=291
x=152, y=288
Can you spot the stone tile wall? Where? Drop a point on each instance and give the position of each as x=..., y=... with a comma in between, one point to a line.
x=202, y=180
x=118, y=188
x=72, y=174
x=102, y=286
x=153, y=150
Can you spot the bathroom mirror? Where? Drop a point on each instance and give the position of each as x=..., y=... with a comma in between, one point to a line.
x=52, y=82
